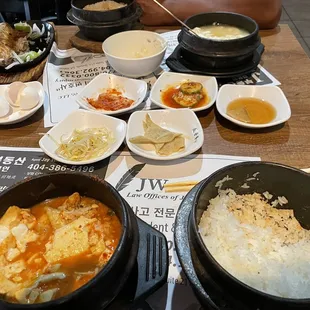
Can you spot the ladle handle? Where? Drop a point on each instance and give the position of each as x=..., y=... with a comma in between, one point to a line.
x=176, y=18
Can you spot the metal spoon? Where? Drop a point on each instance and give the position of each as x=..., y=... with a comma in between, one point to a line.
x=177, y=19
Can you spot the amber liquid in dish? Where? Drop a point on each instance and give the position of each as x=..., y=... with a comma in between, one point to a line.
x=167, y=98
x=251, y=110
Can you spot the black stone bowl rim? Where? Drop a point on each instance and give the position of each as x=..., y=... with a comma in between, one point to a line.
x=192, y=218
x=87, y=24
x=219, y=55
x=253, y=33
x=217, y=48
x=110, y=264
x=101, y=13
x=183, y=243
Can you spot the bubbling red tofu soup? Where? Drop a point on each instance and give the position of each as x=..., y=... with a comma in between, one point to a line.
x=55, y=247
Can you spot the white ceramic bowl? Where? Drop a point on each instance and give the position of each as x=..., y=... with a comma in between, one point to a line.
x=183, y=121
x=132, y=89
x=272, y=94
x=17, y=115
x=122, y=50
x=173, y=79
x=82, y=119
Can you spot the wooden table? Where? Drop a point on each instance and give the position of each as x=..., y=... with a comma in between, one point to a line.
x=287, y=144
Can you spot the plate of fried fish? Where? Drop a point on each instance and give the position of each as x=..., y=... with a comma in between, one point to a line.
x=164, y=134
x=24, y=45
x=178, y=91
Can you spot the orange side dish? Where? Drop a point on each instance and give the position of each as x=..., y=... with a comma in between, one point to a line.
x=55, y=247
x=168, y=98
x=110, y=100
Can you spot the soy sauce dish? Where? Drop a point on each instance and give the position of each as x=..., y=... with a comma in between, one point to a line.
x=70, y=240
x=253, y=106
x=249, y=230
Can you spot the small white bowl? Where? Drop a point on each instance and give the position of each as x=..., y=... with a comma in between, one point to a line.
x=182, y=121
x=81, y=119
x=272, y=94
x=173, y=79
x=132, y=89
x=123, y=48
x=16, y=114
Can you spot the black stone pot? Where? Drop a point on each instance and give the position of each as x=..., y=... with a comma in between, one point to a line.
x=140, y=258
x=102, y=16
x=99, y=31
x=278, y=180
x=219, y=54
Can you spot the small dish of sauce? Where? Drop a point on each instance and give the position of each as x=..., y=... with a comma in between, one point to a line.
x=185, y=95
x=251, y=110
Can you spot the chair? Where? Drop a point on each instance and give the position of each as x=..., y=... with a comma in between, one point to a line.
x=31, y=8
x=62, y=7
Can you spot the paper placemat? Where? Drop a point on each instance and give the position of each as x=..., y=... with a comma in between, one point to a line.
x=67, y=72
x=17, y=164
x=141, y=183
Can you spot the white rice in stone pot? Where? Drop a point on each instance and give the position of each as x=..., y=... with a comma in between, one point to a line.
x=264, y=247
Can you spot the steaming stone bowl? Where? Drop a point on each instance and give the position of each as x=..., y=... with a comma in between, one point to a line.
x=130, y=253
x=278, y=180
x=219, y=54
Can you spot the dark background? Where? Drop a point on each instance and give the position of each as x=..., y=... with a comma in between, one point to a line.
x=48, y=10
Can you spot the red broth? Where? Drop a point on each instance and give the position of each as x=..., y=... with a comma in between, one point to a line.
x=74, y=238
x=166, y=98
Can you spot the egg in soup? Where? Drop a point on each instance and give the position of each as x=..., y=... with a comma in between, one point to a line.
x=220, y=32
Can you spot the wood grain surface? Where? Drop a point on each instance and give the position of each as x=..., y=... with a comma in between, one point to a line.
x=31, y=74
x=287, y=143
x=82, y=43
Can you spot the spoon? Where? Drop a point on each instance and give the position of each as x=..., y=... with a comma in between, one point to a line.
x=177, y=19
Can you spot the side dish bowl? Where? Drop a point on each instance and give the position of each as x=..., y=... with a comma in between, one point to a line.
x=271, y=94
x=17, y=115
x=278, y=180
x=182, y=121
x=82, y=120
x=130, y=88
x=168, y=79
x=135, y=53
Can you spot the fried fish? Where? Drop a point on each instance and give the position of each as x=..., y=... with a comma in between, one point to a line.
x=11, y=40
